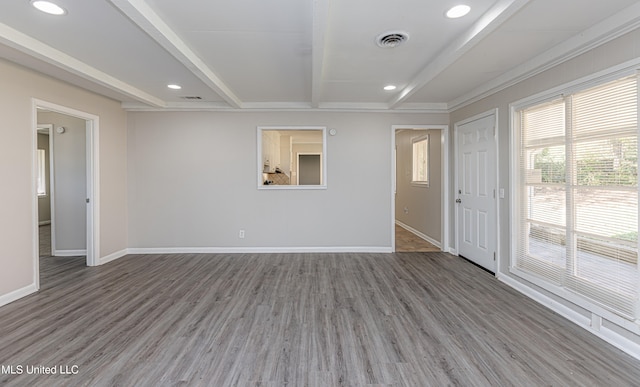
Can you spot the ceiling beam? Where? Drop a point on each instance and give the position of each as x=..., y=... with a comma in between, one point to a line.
x=598, y=34
x=35, y=48
x=150, y=22
x=320, y=20
x=501, y=11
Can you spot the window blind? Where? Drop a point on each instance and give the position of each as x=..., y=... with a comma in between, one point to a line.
x=578, y=194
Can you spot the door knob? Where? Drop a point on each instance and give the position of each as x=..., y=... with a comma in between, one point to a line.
x=458, y=200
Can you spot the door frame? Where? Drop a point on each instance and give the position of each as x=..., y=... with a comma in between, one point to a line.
x=92, y=181
x=444, y=198
x=298, y=165
x=51, y=187
x=456, y=152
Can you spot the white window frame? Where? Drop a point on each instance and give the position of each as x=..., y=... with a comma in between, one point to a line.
x=617, y=72
x=260, y=159
x=414, y=161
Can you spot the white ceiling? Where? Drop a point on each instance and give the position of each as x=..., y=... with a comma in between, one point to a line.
x=303, y=54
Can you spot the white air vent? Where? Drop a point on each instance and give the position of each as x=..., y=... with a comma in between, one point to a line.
x=392, y=39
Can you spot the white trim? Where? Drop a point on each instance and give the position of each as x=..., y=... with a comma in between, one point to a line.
x=496, y=196
x=52, y=186
x=496, y=188
x=419, y=234
x=93, y=181
x=259, y=250
x=573, y=298
x=70, y=253
x=113, y=256
x=605, y=31
x=50, y=195
x=628, y=346
x=444, y=180
x=260, y=165
x=339, y=107
x=145, y=17
x=17, y=294
x=610, y=74
x=420, y=183
x=37, y=49
x=319, y=27
x=93, y=190
x=487, y=23
x=35, y=242
x=601, y=77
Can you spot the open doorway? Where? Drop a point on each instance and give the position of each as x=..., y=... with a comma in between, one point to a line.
x=44, y=187
x=65, y=179
x=309, y=169
x=420, y=186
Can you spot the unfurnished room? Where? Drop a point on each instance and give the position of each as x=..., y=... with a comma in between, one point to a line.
x=319, y=193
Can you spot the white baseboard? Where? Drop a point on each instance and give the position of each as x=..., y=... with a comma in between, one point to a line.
x=69, y=253
x=255, y=250
x=44, y=223
x=624, y=344
x=17, y=294
x=113, y=256
x=420, y=234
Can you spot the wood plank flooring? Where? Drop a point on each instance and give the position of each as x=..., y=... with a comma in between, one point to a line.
x=406, y=241
x=403, y=319
x=45, y=240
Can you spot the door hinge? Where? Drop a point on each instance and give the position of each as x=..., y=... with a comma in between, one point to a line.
x=494, y=255
x=87, y=200
x=494, y=193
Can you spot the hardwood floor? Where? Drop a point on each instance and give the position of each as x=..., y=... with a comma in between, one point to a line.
x=44, y=240
x=403, y=319
x=406, y=241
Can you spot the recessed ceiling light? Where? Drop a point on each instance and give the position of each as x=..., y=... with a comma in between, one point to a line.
x=174, y=87
x=390, y=87
x=458, y=11
x=48, y=7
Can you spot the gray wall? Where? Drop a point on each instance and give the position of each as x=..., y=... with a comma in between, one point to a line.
x=44, y=202
x=69, y=174
x=192, y=182
x=615, y=52
x=18, y=222
x=424, y=204
x=302, y=148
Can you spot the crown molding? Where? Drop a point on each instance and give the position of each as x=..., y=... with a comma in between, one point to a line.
x=414, y=108
x=597, y=35
x=140, y=13
x=47, y=54
x=500, y=12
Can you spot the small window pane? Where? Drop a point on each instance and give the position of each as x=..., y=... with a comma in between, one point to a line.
x=421, y=160
x=42, y=173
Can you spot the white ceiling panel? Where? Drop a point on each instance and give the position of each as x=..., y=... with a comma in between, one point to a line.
x=258, y=66
x=301, y=54
x=539, y=26
x=97, y=34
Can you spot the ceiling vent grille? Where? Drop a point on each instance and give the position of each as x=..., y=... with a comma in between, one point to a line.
x=191, y=97
x=392, y=39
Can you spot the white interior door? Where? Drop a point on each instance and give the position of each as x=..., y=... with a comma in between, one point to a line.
x=476, y=185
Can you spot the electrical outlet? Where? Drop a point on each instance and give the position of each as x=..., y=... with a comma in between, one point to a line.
x=241, y=234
